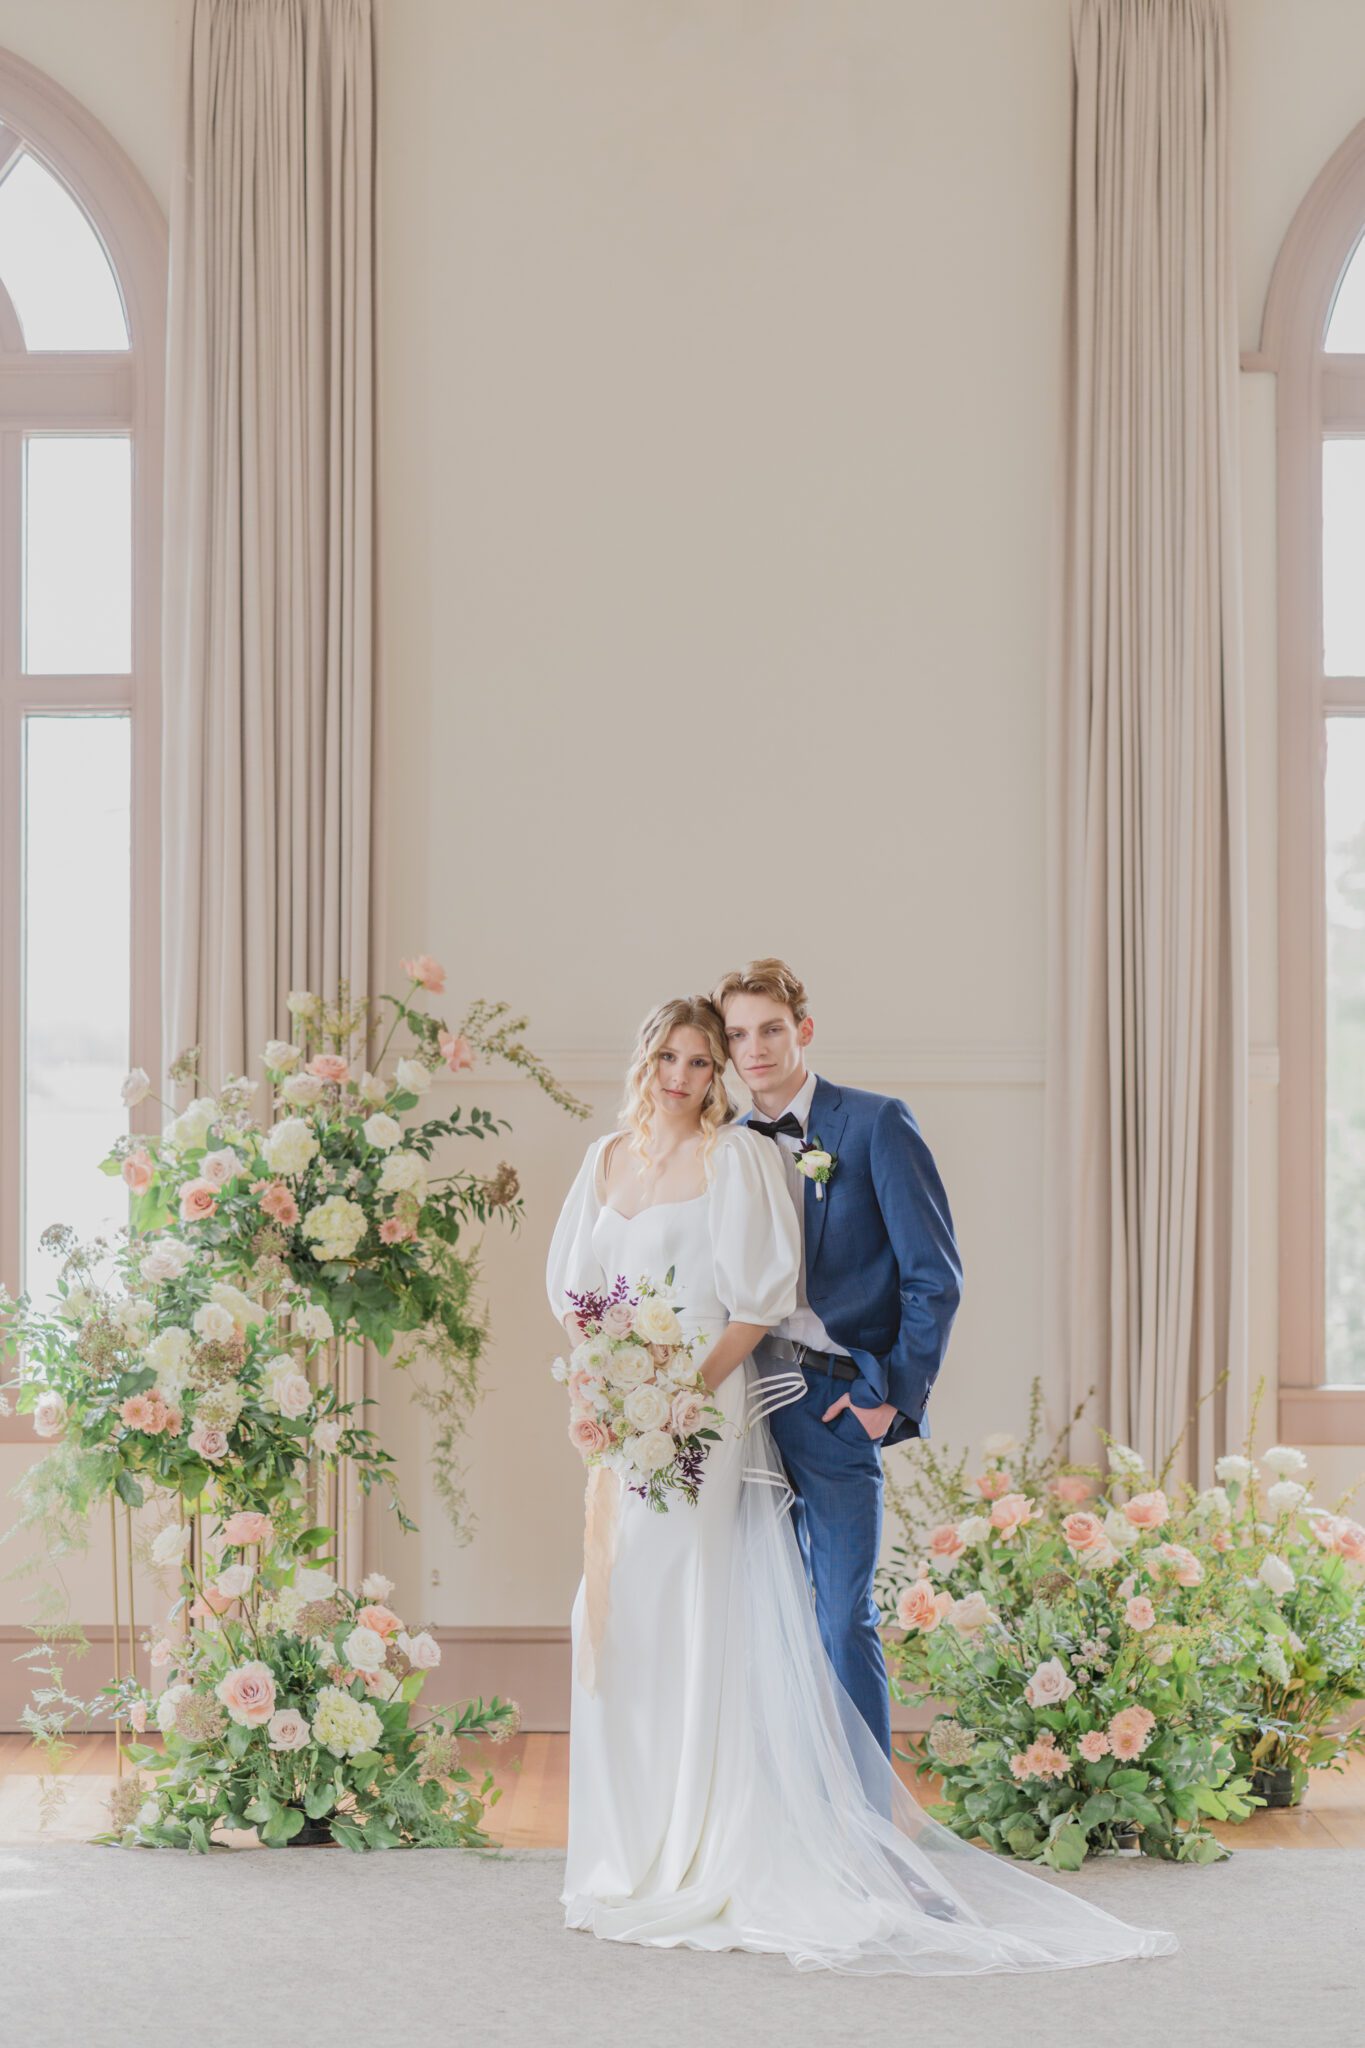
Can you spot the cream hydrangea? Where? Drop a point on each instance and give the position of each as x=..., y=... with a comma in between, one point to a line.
x=239, y=1306
x=403, y=1174
x=343, y=1725
x=191, y=1127
x=336, y=1227
x=168, y=1355
x=289, y=1145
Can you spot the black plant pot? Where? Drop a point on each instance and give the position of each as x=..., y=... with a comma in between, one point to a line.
x=1275, y=1787
x=314, y=1834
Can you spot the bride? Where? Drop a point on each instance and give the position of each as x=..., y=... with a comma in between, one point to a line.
x=724, y=1791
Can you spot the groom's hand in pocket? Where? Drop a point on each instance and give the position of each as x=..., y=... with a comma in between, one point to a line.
x=876, y=1421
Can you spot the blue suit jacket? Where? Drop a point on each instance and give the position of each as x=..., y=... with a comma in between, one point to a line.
x=882, y=1267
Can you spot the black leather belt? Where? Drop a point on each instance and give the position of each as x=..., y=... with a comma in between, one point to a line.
x=825, y=1362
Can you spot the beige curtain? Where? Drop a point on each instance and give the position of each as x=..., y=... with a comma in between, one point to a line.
x=1147, y=1026
x=268, y=784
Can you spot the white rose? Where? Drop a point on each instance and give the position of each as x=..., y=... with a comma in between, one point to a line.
x=1120, y=1530
x=630, y=1366
x=1125, y=1462
x=652, y=1451
x=373, y=1090
x=289, y=1145
x=315, y=1324
x=239, y=1306
x=646, y=1407
x=137, y=1087
x=282, y=1057
x=191, y=1127
x=403, y=1173
x=327, y=1436
x=422, y=1651
x=969, y=1614
x=1214, y=1501
x=49, y=1413
x=218, y=1168
x=213, y=1324
x=168, y=1355
x=166, y=1261
x=166, y=1705
x=1286, y=1495
x=1234, y=1468
x=656, y=1322
x=1276, y=1574
x=292, y=1395
x=170, y=1546
x=235, y=1581
x=1282, y=1459
x=1001, y=1445
x=313, y=1582
x=134, y=1317
x=300, y=1002
x=382, y=1131
x=363, y=1649
x=304, y=1091
x=412, y=1077
x=974, y=1528
x=375, y=1587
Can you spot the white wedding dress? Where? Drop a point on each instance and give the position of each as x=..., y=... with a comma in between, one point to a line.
x=724, y=1792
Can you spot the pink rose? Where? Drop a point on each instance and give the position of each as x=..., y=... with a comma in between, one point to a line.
x=618, y=1320
x=328, y=1066
x=422, y=1651
x=1050, y=1684
x=429, y=972
x=382, y=1620
x=246, y=1526
x=686, y=1417
x=1094, y=1745
x=198, y=1199
x=1350, y=1540
x=1221, y=1539
x=49, y=1413
x=139, y=1172
x=137, y=1717
x=921, y=1608
x=1084, y=1532
x=587, y=1435
x=213, y=1600
x=288, y=1729
x=1139, y=1613
x=970, y=1614
x=1073, y=1489
x=1182, y=1564
x=248, y=1693
x=945, y=1542
x=457, y=1053
x=1011, y=1512
x=279, y=1203
x=293, y=1395
x=580, y=1383
x=208, y=1443
x=1147, y=1510
x=991, y=1485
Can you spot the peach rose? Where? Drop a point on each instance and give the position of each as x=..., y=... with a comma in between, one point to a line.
x=970, y=1614
x=279, y=1203
x=587, y=1435
x=1072, y=1489
x=920, y=1607
x=1221, y=1539
x=1050, y=1684
x=246, y=1526
x=457, y=1053
x=248, y=1693
x=945, y=1542
x=1147, y=1510
x=211, y=1601
x=1094, y=1745
x=1182, y=1564
x=1139, y=1613
x=1084, y=1532
x=328, y=1066
x=198, y=1200
x=381, y=1619
x=1350, y=1540
x=138, y=1171
x=1011, y=1512
x=990, y=1485
x=429, y=972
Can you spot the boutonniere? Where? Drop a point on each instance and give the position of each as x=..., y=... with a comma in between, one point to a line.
x=817, y=1165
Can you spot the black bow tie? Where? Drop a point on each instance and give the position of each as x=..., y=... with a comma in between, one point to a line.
x=787, y=1126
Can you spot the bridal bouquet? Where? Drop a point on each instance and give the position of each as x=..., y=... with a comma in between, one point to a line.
x=638, y=1402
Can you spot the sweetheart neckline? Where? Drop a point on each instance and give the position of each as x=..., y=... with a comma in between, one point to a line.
x=685, y=1204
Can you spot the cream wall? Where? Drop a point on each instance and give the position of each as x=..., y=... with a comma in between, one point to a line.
x=720, y=348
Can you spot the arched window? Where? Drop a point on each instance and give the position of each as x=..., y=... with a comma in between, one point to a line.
x=82, y=338
x=1314, y=339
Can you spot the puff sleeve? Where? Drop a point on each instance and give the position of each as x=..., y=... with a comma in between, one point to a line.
x=755, y=1236
x=573, y=1264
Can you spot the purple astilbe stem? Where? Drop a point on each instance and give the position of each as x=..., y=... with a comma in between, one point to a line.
x=590, y=1307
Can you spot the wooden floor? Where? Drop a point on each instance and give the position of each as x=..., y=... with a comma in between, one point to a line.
x=532, y=1813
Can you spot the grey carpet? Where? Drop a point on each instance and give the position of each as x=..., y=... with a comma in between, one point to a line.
x=107, y=1948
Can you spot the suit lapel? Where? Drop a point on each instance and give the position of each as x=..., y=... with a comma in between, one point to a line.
x=826, y=1123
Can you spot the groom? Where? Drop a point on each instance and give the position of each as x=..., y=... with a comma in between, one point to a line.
x=880, y=1286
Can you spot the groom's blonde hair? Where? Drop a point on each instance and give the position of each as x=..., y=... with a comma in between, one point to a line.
x=764, y=978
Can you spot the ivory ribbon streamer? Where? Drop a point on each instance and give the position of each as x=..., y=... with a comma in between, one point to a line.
x=602, y=1502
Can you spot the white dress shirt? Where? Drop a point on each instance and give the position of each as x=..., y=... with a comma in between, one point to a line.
x=803, y=1326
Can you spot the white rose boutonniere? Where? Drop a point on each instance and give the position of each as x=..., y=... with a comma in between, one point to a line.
x=817, y=1165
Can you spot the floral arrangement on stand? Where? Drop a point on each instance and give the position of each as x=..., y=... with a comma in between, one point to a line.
x=202, y=1362
x=1102, y=1638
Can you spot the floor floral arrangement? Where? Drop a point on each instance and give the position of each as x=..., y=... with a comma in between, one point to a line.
x=200, y=1367
x=1125, y=1659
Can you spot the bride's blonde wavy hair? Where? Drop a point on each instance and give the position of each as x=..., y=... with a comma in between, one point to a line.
x=637, y=1111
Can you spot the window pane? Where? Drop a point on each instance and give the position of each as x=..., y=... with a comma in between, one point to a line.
x=78, y=578
x=1343, y=557
x=54, y=266
x=77, y=928
x=1344, y=810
